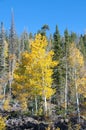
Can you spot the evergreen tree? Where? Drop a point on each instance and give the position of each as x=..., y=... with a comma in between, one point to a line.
x=58, y=72
x=81, y=46
x=2, y=49
x=12, y=51
x=30, y=35
x=2, y=58
x=73, y=37
x=84, y=41
x=24, y=44
x=3, y=70
x=50, y=42
x=66, y=48
x=43, y=30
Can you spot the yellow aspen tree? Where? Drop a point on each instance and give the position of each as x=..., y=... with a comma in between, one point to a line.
x=33, y=76
x=45, y=62
x=82, y=86
x=76, y=61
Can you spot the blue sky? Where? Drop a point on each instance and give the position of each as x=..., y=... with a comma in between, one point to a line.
x=32, y=14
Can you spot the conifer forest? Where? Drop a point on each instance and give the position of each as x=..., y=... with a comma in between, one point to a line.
x=42, y=79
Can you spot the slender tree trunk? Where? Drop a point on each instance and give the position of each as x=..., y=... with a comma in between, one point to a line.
x=10, y=86
x=66, y=89
x=11, y=71
x=77, y=97
x=5, y=91
x=44, y=95
x=36, y=104
x=45, y=105
x=50, y=107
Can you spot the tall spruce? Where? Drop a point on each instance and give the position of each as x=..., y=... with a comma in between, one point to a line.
x=66, y=51
x=2, y=58
x=2, y=49
x=58, y=76
x=50, y=42
x=12, y=51
x=24, y=44
x=3, y=73
x=73, y=37
x=84, y=41
x=43, y=30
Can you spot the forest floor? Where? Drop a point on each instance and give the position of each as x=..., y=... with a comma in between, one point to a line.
x=17, y=121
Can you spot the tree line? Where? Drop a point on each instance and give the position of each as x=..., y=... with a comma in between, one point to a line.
x=39, y=70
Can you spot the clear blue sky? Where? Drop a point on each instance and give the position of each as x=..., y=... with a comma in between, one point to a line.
x=32, y=14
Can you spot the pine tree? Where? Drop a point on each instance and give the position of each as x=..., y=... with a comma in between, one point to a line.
x=43, y=30
x=3, y=66
x=66, y=48
x=24, y=43
x=81, y=46
x=84, y=41
x=50, y=43
x=2, y=49
x=2, y=58
x=12, y=51
x=58, y=70
x=73, y=37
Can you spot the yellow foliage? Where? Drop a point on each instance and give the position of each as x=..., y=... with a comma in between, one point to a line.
x=48, y=92
x=58, y=129
x=23, y=102
x=24, y=106
x=75, y=57
x=77, y=127
x=6, y=105
x=48, y=128
x=1, y=97
x=82, y=86
x=2, y=123
x=34, y=72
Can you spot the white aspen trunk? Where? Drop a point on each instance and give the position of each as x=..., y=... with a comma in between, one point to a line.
x=45, y=101
x=10, y=86
x=49, y=107
x=45, y=105
x=5, y=91
x=36, y=104
x=77, y=97
x=10, y=76
x=11, y=71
